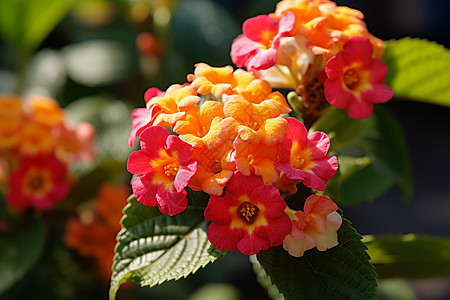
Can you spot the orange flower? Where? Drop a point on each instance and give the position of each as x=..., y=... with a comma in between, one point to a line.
x=36, y=138
x=110, y=202
x=10, y=107
x=11, y=120
x=259, y=159
x=304, y=10
x=245, y=118
x=95, y=236
x=9, y=132
x=196, y=124
x=223, y=81
x=87, y=239
x=212, y=153
x=241, y=108
x=45, y=110
x=250, y=87
x=327, y=26
x=257, y=153
x=212, y=174
x=92, y=240
x=164, y=110
x=212, y=80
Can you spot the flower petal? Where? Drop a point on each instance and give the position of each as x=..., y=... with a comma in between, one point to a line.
x=251, y=244
x=153, y=137
x=144, y=190
x=171, y=202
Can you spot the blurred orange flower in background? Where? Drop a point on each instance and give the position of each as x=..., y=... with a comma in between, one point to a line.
x=93, y=233
x=38, y=145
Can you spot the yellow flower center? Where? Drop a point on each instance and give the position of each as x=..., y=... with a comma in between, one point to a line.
x=171, y=169
x=267, y=38
x=248, y=212
x=351, y=79
x=297, y=162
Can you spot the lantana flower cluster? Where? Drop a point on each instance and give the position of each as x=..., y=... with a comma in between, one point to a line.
x=37, y=146
x=231, y=139
x=227, y=133
x=322, y=51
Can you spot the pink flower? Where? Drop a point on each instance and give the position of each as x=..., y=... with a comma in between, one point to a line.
x=151, y=93
x=355, y=79
x=141, y=117
x=304, y=157
x=315, y=226
x=40, y=182
x=140, y=120
x=166, y=165
x=250, y=217
x=257, y=47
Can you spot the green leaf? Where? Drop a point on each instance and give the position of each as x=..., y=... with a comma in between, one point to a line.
x=25, y=23
x=349, y=165
x=363, y=186
x=264, y=280
x=342, y=272
x=153, y=248
x=385, y=144
x=418, y=70
x=19, y=251
x=409, y=256
x=345, y=133
x=373, y=154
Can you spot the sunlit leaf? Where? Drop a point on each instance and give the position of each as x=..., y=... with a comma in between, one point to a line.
x=418, y=70
x=349, y=165
x=153, y=248
x=19, y=251
x=409, y=256
x=342, y=272
x=264, y=280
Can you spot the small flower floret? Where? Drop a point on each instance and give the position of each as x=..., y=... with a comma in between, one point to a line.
x=304, y=157
x=166, y=165
x=355, y=79
x=315, y=226
x=250, y=217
